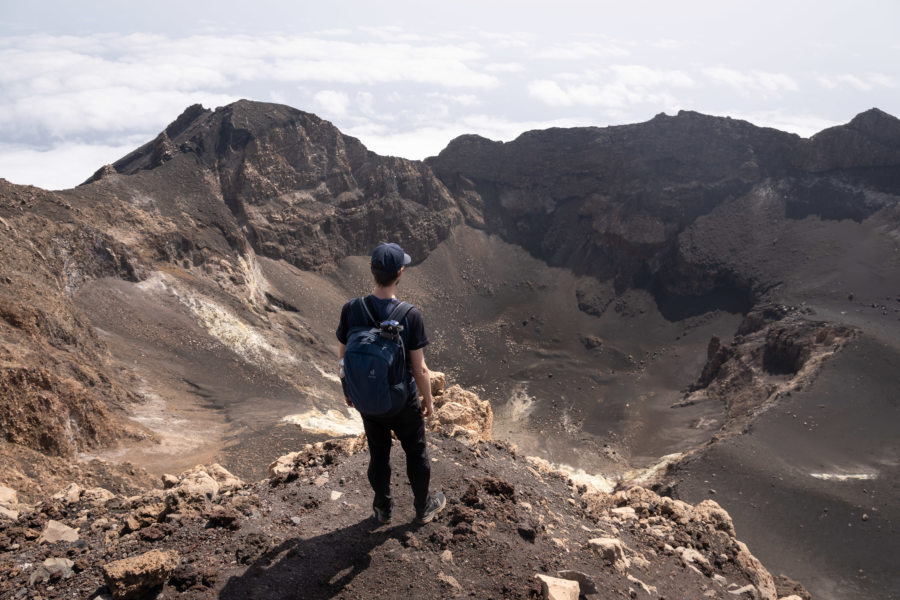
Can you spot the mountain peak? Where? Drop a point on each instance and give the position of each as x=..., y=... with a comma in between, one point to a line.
x=879, y=125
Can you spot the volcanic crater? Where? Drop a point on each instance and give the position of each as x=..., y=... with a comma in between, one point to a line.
x=694, y=304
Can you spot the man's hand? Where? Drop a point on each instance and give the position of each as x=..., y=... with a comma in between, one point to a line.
x=427, y=407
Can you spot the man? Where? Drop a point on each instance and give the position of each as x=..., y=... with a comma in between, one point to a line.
x=388, y=263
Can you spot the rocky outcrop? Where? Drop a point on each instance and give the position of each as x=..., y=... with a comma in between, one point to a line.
x=772, y=343
x=460, y=412
x=315, y=457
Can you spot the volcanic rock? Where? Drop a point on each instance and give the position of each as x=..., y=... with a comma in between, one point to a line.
x=554, y=588
x=52, y=570
x=135, y=576
x=459, y=411
x=612, y=551
x=58, y=532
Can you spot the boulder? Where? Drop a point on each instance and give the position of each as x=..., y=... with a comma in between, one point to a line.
x=223, y=477
x=438, y=381
x=284, y=464
x=8, y=496
x=691, y=556
x=58, y=532
x=197, y=483
x=711, y=513
x=134, y=577
x=585, y=582
x=52, y=569
x=612, y=550
x=756, y=572
x=625, y=513
x=461, y=411
x=97, y=496
x=145, y=515
x=558, y=589
x=70, y=495
x=9, y=503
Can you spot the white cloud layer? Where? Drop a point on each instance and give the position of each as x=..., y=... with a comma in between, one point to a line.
x=74, y=96
x=60, y=167
x=753, y=83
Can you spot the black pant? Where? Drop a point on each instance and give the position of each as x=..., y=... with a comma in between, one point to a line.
x=409, y=426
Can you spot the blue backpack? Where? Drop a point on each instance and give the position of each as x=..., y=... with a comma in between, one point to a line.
x=375, y=377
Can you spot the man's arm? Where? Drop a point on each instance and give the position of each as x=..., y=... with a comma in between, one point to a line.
x=423, y=380
x=341, y=351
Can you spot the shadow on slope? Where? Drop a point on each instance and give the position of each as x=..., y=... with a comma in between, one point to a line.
x=322, y=566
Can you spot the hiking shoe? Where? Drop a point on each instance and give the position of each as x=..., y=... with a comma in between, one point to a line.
x=382, y=515
x=435, y=504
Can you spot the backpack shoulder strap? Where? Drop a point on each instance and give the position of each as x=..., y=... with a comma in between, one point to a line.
x=368, y=310
x=399, y=312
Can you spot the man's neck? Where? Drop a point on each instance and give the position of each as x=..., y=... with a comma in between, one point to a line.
x=384, y=293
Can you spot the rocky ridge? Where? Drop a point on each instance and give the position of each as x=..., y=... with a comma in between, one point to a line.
x=513, y=528
x=209, y=255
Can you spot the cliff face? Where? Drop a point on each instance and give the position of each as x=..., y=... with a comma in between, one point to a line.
x=296, y=188
x=612, y=202
x=56, y=394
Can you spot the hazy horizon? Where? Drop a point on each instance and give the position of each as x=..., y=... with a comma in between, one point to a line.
x=83, y=86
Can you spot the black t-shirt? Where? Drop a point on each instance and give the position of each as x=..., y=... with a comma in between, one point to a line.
x=413, y=334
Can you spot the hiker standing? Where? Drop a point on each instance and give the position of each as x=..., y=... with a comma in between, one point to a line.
x=373, y=330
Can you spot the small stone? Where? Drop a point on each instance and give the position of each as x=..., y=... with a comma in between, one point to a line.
x=865, y=516
x=223, y=517
x=8, y=496
x=58, y=532
x=52, y=569
x=554, y=588
x=624, y=512
x=97, y=496
x=527, y=531
x=335, y=495
x=451, y=581
x=70, y=495
x=447, y=556
x=747, y=589
x=585, y=583
x=613, y=552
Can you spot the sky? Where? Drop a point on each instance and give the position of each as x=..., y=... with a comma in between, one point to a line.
x=84, y=83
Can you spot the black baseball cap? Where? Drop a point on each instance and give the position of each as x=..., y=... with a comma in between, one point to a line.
x=389, y=258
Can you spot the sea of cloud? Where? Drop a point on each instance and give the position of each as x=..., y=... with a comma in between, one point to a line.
x=71, y=103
